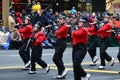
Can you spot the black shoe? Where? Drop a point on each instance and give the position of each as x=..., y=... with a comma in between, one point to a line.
x=95, y=59
x=87, y=77
x=28, y=64
x=64, y=73
x=47, y=68
x=118, y=72
x=93, y=64
x=26, y=68
x=112, y=62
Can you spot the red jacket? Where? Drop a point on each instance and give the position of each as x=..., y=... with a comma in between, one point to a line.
x=62, y=32
x=40, y=37
x=80, y=36
x=92, y=30
x=26, y=31
x=118, y=37
x=103, y=30
x=18, y=18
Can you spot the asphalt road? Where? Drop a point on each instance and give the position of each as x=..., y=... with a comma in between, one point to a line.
x=11, y=66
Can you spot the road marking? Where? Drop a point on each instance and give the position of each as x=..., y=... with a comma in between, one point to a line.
x=54, y=67
x=85, y=63
x=18, y=55
x=14, y=55
x=92, y=70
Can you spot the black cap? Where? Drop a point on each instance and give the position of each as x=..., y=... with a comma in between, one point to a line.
x=39, y=25
x=107, y=16
x=29, y=17
x=50, y=10
x=82, y=20
x=61, y=17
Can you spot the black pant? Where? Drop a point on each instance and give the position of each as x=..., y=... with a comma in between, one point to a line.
x=15, y=44
x=78, y=54
x=24, y=54
x=57, y=58
x=92, y=47
x=103, y=54
x=36, y=57
x=118, y=55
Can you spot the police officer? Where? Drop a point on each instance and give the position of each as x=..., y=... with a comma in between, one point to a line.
x=26, y=33
x=60, y=47
x=93, y=32
x=80, y=39
x=37, y=39
x=104, y=44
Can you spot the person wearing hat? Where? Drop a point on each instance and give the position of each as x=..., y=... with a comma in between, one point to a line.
x=80, y=40
x=37, y=39
x=26, y=33
x=60, y=47
x=11, y=21
x=104, y=44
x=93, y=32
x=15, y=38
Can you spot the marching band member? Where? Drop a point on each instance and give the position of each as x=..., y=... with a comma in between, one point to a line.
x=93, y=32
x=80, y=39
x=104, y=44
x=60, y=47
x=37, y=39
x=26, y=33
x=117, y=36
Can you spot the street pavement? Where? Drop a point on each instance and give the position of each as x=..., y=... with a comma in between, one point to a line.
x=11, y=66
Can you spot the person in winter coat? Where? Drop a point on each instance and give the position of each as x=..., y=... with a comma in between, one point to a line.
x=11, y=21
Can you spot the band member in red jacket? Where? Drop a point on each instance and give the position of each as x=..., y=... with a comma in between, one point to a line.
x=104, y=44
x=26, y=33
x=60, y=47
x=93, y=32
x=37, y=39
x=80, y=39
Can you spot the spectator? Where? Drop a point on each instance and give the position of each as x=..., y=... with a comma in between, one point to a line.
x=73, y=10
x=52, y=37
x=33, y=16
x=24, y=13
x=48, y=16
x=11, y=21
x=46, y=43
x=15, y=38
x=41, y=17
x=0, y=16
x=28, y=8
x=19, y=18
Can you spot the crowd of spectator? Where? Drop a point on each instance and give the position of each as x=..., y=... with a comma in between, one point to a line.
x=47, y=17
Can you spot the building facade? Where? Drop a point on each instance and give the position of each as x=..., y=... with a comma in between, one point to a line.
x=112, y=6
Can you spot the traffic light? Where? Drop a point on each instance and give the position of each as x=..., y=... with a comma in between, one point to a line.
x=98, y=5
